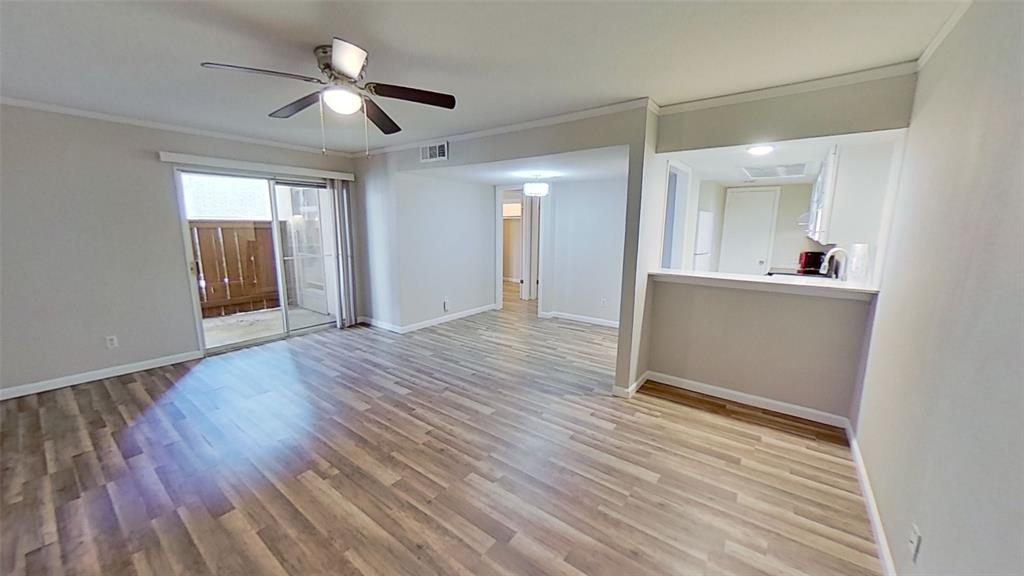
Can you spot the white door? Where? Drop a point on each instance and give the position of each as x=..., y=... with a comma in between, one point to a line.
x=530, y=247
x=748, y=231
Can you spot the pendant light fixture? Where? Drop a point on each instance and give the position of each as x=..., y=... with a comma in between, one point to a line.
x=535, y=189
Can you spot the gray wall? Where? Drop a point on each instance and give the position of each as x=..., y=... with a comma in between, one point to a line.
x=581, y=248
x=446, y=246
x=92, y=243
x=803, y=350
x=862, y=107
x=377, y=199
x=940, y=419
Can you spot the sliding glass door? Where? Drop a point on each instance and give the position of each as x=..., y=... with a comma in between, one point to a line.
x=308, y=253
x=264, y=256
x=230, y=225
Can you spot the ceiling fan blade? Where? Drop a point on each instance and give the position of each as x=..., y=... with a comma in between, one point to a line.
x=288, y=75
x=289, y=110
x=379, y=117
x=347, y=58
x=412, y=95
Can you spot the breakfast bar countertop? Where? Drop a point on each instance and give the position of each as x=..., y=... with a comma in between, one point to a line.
x=799, y=285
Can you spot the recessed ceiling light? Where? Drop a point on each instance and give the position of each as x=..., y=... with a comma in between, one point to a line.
x=760, y=150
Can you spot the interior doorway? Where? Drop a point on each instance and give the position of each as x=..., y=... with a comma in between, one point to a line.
x=263, y=256
x=520, y=235
x=512, y=240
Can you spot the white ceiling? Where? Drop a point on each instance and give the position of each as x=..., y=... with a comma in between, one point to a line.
x=506, y=62
x=584, y=165
x=725, y=165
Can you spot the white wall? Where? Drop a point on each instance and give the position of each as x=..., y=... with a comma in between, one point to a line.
x=940, y=420
x=712, y=199
x=581, y=249
x=92, y=243
x=446, y=250
x=512, y=249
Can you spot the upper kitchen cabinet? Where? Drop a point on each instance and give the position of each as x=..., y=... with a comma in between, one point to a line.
x=848, y=201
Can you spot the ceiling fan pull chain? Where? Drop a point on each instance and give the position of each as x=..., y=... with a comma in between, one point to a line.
x=366, y=130
x=323, y=132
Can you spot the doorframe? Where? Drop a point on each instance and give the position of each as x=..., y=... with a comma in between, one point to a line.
x=499, y=242
x=777, y=193
x=692, y=203
x=191, y=266
x=192, y=271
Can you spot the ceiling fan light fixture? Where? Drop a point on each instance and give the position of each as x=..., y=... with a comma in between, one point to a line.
x=535, y=189
x=342, y=101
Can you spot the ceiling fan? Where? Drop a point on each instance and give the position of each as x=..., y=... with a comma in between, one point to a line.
x=342, y=65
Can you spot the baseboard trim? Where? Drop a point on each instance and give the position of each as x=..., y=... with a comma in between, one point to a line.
x=874, y=516
x=379, y=324
x=426, y=323
x=631, y=390
x=93, y=375
x=750, y=399
x=579, y=318
x=881, y=542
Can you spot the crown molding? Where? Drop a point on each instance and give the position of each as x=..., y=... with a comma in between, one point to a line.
x=891, y=71
x=940, y=36
x=138, y=122
x=548, y=121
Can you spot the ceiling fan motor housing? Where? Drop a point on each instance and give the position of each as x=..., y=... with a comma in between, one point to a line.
x=323, y=58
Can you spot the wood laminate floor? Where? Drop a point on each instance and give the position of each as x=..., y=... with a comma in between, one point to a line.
x=487, y=445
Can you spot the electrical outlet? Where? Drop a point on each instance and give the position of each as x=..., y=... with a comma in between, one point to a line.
x=914, y=542
x=604, y=301
x=112, y=342
x=444, y=304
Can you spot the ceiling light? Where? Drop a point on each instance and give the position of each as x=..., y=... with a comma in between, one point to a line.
x=536, y=174
x=342, y=101
x=535, y=189
x=760, y=150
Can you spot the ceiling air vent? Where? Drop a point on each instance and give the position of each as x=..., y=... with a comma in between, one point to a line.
x=780, y=171
x=434, y=152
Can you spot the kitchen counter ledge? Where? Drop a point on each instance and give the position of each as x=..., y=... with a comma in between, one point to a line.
x=798, y=285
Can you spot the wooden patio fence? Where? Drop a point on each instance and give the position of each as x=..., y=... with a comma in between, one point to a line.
x=236, y=266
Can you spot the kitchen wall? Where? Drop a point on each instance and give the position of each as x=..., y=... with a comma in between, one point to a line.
x=582, y=224
x=790, y=237
x=712, y=199
x=92, y=243
x=939, y=424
